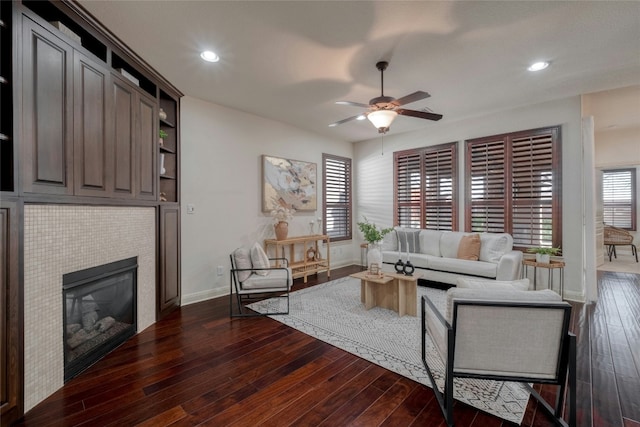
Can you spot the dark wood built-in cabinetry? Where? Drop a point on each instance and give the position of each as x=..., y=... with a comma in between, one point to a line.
x=80, y=125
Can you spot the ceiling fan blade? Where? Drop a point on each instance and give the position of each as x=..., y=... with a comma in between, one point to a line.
x=419, y=114
x=353, y=104
x=348, y=119
x=412, y=97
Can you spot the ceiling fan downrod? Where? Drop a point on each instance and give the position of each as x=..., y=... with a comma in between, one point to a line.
x=381, y=66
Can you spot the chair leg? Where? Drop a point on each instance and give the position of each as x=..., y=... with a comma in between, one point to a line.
x=634, y=251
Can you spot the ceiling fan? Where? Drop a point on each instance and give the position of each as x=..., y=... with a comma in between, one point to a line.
x=384, y=109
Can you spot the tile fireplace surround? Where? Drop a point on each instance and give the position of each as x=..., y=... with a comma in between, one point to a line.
x=60, y=239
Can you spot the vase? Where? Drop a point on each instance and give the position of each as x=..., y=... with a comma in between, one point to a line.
x=408, y=268
x=543, y=258
x=162, y=114
x=282, y=229
x=399, y=266
x=374, y=255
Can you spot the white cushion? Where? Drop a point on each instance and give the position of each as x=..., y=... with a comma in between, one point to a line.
x=430, y=242
x=276, y=280
x=463, y=266
x=449, y=242
x=473, y=283
x=259, y=259
x=494, y=245
x=545, y=295
x=242, y=259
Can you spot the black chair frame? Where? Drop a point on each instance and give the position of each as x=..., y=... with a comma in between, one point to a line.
x=566, y=368
x=243, y=297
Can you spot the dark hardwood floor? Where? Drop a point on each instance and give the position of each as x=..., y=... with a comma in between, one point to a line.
x=198, y=367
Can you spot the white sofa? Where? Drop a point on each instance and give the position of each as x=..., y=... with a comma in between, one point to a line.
x=434, y=254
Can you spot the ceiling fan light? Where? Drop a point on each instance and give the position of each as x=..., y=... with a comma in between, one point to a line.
x=382, y=119
x=361, y=117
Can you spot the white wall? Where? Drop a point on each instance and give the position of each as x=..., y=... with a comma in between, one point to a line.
x=221, y=176
x=374, y=171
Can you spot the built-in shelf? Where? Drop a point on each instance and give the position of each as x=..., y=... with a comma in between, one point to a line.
x=164, y=149
x=167, y=123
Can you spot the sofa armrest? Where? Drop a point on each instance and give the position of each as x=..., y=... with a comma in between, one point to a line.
x=510, y=265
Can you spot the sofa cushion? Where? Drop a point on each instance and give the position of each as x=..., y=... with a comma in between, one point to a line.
x=545, y=295
x=259, y=259
x=430, y=242
x=473, y=283
x=276, y=280
x=449, y=242
x=494, y=245
x=242, y=259
x=469, y=247
x=462, y=266
x=408, y=240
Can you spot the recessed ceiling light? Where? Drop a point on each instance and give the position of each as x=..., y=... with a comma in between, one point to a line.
x=209, y=56
x=538, y=66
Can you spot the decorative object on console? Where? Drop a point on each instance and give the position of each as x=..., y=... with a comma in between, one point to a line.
x=543, y=255
x=162, y=114
x=282, y=216
x=320, y=230
x=311, y=230
x=311, y=254
x=288, y=182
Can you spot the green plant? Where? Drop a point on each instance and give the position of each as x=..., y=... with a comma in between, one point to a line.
x=163, y=134
x=371, y=232
x=544, y=251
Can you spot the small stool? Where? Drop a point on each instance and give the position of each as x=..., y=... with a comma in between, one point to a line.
x=364, y=248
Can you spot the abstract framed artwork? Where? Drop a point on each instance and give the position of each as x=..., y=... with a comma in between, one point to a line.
x=288, y=183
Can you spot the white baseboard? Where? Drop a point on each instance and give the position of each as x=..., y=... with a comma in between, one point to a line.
x=203, y=296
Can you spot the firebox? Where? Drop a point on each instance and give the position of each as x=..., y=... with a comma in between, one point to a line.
x=99, y=312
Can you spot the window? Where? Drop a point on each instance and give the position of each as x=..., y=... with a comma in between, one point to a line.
x=425, y=191
x=619, y=198
x=336, y=181
x=514, y=186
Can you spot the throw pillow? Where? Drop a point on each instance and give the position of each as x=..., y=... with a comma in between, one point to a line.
x=409, y=241
x=469, y=247
x=259, y=259
x=242, y=259
x=471, y=283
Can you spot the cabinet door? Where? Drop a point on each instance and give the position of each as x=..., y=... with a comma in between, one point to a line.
x=47, y=116
x=147, y=120
x=124, y=132
x=10, y=342
x=169, y=278
x=93, y=146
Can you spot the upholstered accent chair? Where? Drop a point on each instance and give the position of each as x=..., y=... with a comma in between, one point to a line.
x=507, y=335
x=253, y=277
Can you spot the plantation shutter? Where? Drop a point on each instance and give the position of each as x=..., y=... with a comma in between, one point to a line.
x=487, y=186
x=408, y=190
x=426, y=190
x=439, y=181
x=619, y=198
x=513, y=186
x=337, y=197
x=532, y=191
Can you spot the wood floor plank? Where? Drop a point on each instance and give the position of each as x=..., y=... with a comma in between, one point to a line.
x=199, y=367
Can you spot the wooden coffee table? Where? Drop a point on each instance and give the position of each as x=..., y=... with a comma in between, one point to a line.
x=393, y=291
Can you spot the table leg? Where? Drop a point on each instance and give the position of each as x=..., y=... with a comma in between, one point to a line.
x=362, y=286
x=369, y=295
x=402, y=297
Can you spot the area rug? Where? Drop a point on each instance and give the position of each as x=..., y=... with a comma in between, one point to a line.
x=332, y=312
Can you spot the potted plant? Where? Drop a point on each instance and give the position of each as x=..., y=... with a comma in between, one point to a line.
x=543, y=255
x=162, y=135
x=373, y=236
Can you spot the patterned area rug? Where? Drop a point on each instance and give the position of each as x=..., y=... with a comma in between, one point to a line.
x=332, y=312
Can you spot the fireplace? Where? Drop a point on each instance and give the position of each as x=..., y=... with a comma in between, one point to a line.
x=99, y=312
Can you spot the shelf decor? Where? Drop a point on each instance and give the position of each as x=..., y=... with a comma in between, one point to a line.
x=288, y=182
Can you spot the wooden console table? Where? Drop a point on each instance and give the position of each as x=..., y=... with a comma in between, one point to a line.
x=303, y=267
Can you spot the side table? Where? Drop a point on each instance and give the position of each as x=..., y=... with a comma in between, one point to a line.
x=552, y=265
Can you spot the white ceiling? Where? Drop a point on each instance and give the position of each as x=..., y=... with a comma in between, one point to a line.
x=291, y=60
